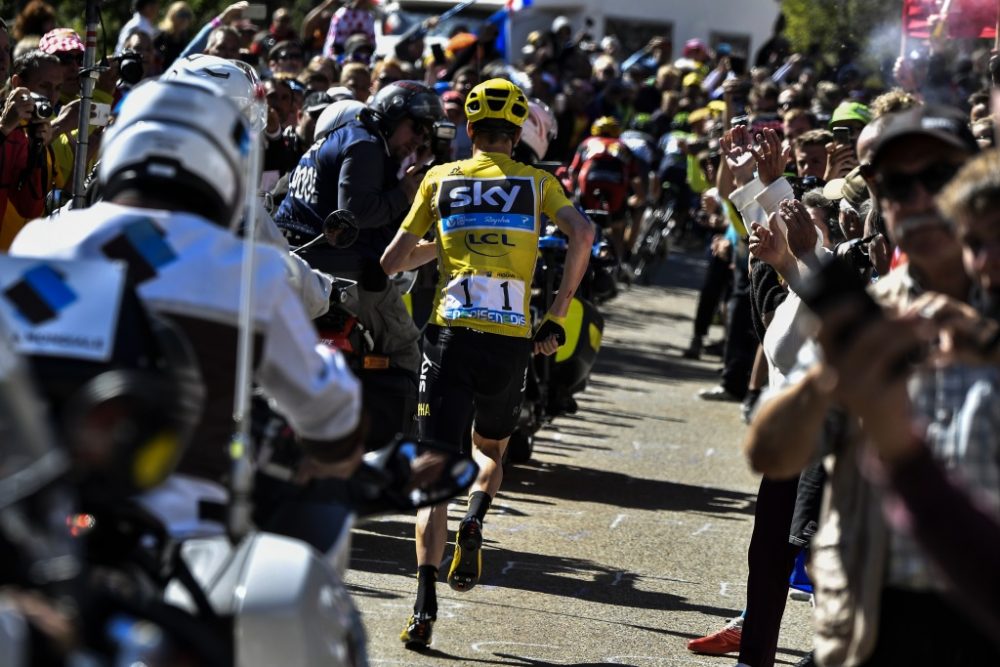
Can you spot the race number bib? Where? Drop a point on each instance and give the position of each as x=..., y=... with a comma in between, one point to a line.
x=496, y=300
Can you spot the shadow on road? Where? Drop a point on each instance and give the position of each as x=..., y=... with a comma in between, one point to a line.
x=616, y=489
x=381, y=549
x=624, y=362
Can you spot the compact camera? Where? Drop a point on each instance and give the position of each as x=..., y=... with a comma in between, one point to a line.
x=43, y=108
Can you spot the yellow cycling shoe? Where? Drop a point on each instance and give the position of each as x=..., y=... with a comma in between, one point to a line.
x=467, y=563
x=417, y=633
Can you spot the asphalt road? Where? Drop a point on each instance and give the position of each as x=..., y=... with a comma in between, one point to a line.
x=624, y=537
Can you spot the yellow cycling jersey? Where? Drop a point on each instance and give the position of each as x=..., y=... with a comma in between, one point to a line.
x=486, y=211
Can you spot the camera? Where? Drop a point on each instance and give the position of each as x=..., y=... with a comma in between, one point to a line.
x=443, y=132
x=43, y=108
x=130, y=69
x=855, y=253
x=802, y=185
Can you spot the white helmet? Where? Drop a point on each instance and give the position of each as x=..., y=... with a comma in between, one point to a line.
x=539, y=128
x=184, y=138
x=336, y=115
x=238, y=80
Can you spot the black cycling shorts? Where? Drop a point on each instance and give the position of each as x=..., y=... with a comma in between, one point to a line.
x=466, y=372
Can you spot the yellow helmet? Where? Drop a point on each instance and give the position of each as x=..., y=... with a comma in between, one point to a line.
x=606, y=126
x=499, y=99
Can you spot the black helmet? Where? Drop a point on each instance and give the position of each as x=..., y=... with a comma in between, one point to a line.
x=405, y=99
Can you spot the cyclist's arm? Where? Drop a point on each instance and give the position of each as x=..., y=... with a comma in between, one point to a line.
x=581, y=239
x=407, y=252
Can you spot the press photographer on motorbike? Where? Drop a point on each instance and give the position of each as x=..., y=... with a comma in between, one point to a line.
x=172, y=171
x=357, y=168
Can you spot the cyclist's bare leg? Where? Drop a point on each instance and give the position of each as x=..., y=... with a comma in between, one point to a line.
x=432, y=534
x=634, y=230
x=488, y=455
x=432, y=522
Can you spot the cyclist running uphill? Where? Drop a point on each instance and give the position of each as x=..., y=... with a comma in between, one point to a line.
x=486, y=214
x=603, y=173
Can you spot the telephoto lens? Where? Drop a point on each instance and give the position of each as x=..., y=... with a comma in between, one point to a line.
x=130, y=67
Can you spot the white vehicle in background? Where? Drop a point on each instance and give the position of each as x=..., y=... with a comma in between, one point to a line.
x=744, y=24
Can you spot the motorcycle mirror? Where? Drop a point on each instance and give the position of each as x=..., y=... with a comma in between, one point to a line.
x=341, y=228
x=411, y=473
x=54, y=201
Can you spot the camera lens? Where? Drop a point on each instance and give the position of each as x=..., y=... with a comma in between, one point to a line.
x=130, y=67
x=43, y=108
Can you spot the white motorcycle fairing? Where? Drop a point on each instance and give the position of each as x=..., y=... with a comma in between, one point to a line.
x=289, y=606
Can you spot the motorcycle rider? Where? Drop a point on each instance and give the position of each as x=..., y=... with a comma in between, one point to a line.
x=486, y=213
x=240, y=83
x=356, y=168
x=173, y=171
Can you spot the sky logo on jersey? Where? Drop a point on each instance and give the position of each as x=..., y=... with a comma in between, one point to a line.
x=143, y=247
x=495, y=204
x=40, y=294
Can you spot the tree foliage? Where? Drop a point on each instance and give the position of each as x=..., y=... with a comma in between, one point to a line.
x=830, y=27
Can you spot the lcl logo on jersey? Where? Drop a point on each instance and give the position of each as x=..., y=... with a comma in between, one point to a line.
x=487, y=203
x=488, y=244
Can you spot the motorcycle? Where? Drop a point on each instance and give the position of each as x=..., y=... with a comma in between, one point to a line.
x=552, y=381
x=388, y=393
x=115, y=587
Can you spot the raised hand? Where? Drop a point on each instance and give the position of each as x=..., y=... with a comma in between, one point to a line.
x=770, y=156
x=840, y=160
x=736, y=148
x=769, y=245
x=802, y=233
x=17, y=109
x=233, y=12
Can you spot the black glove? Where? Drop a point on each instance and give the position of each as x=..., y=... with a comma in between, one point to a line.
x=551, y=326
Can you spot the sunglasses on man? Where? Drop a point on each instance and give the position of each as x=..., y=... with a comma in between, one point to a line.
x=70, y=58
x=899, y=186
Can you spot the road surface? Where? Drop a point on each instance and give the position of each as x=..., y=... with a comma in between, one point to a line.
x=624, y=537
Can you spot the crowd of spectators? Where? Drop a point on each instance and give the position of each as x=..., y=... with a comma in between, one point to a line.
x=773, y=163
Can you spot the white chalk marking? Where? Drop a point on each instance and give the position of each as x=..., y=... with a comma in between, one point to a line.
x=617, y=522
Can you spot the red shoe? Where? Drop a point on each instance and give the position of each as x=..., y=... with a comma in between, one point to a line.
x=726, y=640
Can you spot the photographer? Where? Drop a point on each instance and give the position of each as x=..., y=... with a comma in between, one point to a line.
x=31, y=168
x=356, y=167
x=65, y=45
